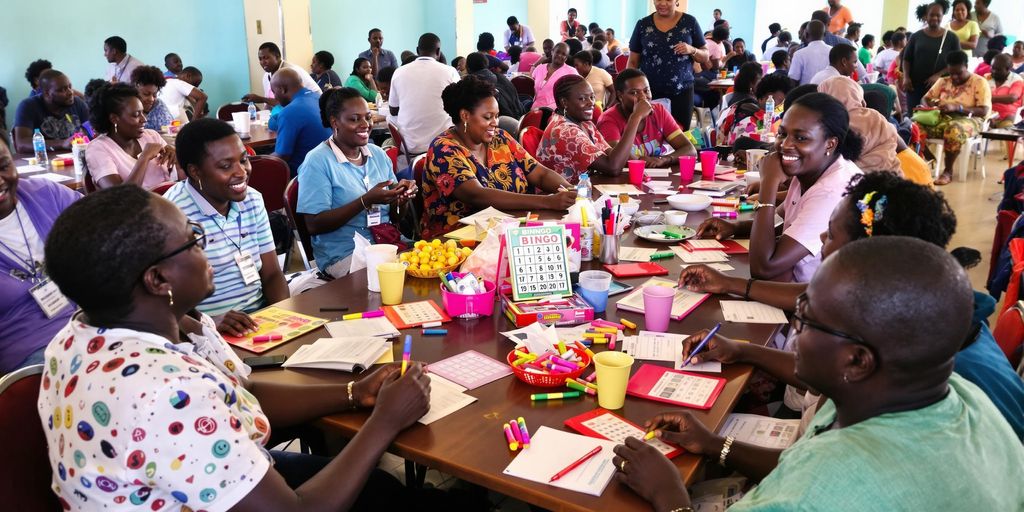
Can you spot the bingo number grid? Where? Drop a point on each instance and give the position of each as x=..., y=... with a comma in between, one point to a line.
x=470, y=369
x=613, y=428
x=538, y=262
x=684, y=388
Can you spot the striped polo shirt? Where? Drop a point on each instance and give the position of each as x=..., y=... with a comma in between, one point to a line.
x=246, y=229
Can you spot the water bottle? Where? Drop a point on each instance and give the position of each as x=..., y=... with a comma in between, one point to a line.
x=769, y=113
x=39, y=146
x=584, y=190
x=252, y=111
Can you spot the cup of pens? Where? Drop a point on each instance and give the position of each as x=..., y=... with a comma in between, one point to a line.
x=609, y=232
x=467, y=303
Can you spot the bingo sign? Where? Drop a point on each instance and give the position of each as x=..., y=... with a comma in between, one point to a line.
x=537, y=262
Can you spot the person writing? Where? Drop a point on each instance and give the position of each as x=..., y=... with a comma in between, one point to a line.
x=817, y=148
x=126, y=151
x=475, y=164
x=346, y=184
x=217, y=197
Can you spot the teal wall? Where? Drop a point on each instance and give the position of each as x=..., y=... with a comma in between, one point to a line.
x=207, y=34
x=490, y=17
x=739, y=13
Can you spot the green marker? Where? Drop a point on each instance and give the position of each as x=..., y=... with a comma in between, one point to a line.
x=671, y=234
x=554, y=396
x=662, y=255
x=746, y=207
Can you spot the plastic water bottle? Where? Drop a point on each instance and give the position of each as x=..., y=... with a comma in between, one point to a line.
x=584, y=190
x=769, y=113
x=39, y=146
x=252, y=111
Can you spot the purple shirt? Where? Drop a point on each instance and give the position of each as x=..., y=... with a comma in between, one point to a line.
x=24, y=327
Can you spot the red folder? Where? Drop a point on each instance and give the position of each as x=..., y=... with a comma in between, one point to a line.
x=641, y=384
x=637, y=269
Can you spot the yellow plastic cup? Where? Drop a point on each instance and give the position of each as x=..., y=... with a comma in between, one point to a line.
x=612, y=376
x=392, y=283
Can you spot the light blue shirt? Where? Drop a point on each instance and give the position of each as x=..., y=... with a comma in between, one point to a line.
x=327, y=180
x=808, y=61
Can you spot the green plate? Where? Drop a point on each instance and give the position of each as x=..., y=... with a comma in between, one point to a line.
x=653, y=233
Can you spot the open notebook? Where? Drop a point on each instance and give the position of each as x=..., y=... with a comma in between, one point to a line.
x=346, y=354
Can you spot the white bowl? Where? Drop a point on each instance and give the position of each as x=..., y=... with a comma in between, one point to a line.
x=675, y=218
x=689, y=202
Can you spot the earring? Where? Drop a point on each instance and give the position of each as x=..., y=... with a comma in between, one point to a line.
x=115, y=127
x=200, y=182
x=828, y=153
x=170, y=297
x=465, y=126
x=846, y=378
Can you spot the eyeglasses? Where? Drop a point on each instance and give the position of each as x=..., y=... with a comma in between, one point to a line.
x=198, y=238
x=800, y=321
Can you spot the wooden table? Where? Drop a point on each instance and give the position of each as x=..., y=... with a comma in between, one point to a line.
x=73, y=182
x=1009, y=136
x=259, y=136
x=721, y=85
x=469, y=443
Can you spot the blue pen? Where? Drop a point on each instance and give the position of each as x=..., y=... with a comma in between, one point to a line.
x=700, y=345
x=435, y=332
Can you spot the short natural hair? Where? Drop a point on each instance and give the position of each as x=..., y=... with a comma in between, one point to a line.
x=117, y=42
x=190, y=144
x=148, y=75
x=332, y=102
x=584, y=56
x=325, y=57
x=957, y=58
x=272, y=48
x=35, y=69
x=624, y=76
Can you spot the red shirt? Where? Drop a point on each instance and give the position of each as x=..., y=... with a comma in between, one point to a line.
x=650, y=141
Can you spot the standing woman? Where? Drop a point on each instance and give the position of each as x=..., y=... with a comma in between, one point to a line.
x=361, y=80
x=126, y=151
x=924, y=57
x=989, y=23
x=240, y=246
x=544, y=77
x=966, y=29
x=664, y=46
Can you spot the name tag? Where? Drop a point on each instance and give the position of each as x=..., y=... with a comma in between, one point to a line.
x=247, y=266
x=374, y=216
x=49, y=298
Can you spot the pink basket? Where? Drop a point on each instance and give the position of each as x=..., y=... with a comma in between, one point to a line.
x=469, y=306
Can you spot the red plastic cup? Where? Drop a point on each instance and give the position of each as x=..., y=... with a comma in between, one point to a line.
x=636, y=172
x=687, y=164
x=708, y=162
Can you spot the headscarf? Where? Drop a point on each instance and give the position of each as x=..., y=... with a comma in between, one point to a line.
x=878, y=133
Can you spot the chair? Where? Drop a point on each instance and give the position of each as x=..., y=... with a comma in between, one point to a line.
x=621, y=62
x=530, y=139
x=419, y=167
x=270, y=177
x=524, y=85
x=298, y=222
x=225, y=111
x=597, y=113
x=26, y=475
x=537, y=118
x=392, y=153
x=1009, y=332
x=403, y=149
x=162, y=188
x=973, y=147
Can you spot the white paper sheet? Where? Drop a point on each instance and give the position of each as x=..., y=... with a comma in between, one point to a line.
x=379, y=326
x=699, y=256
x=750, y=312
x=22, y=169
x=658, y=346
x=552, y=450
x=484, y=215
x=57, y=178
x=721, y=267
x=705, y=244
x=635, y=253
x=446, y=397
x=761, y=430
x=614, y=190
x=536, y=337
x=657, y=172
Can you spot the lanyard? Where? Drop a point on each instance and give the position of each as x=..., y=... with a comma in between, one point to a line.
x=227, y=237
x=30, y=265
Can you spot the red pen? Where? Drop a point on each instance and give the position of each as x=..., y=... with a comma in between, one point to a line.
x=576, y=464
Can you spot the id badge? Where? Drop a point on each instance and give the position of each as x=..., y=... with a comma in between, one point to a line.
x=247, y=267
x=49, y=298
x=374, y=216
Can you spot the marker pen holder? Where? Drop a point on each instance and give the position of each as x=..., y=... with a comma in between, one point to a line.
x=469, y=306
x=609, y=249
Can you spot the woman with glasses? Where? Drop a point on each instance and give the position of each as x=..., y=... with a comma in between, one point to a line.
x=816, y=148
x=877, y=333
x=241, y=250
x=143, y=402
x=28, y=318
x=653, y=133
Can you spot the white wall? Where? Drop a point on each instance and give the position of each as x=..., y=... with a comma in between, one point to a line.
x=793, y=13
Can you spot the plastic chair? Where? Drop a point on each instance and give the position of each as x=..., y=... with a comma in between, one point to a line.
x=1009, y=332
x=298, y=222
x=26, y=475
x=597, y=113
x=621, y=62
x=537, y=118
x=530, y=138
x=524, y=85
x=270, y=177
x=225, y=110
x=162, y=188
x=392, y=153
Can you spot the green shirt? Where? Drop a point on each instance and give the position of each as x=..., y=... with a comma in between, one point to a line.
x=356, y=83
x=956, y=454
x=865, y=56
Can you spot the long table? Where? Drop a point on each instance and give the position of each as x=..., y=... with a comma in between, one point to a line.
x=469, y=444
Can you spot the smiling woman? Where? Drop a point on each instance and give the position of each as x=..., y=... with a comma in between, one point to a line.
x=149, y=80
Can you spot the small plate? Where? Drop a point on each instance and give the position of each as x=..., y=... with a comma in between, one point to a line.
x=653, y=233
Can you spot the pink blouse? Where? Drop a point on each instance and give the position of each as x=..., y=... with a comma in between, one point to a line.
x=105, y=158
x=544, y=95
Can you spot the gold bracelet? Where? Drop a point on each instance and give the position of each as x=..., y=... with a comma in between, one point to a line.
x=351, y=399
x=725, y=450
x=758, y=205
x=362, y=203
x=682, y=509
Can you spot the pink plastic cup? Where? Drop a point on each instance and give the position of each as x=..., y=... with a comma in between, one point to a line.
x=687, y=164
x=636, y=172
x=708, y=162
x=657, y=307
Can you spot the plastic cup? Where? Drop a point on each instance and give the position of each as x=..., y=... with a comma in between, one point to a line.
x=754, y=157
x=594, y=286
x=636, y=172
x=375, y=255
x=708, y=162
x=675, y=218
x=241, y=122
x=612, y=369
x=657, y=307
x=392, y=282
x=686, y=168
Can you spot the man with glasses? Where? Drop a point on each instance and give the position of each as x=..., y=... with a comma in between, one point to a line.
x=659, y=141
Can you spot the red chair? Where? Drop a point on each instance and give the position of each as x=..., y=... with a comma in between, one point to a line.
x=225, y=111
x=392, y=153
x=597, y=113
x=530, y=139
x=620, y=62
x=524, y=85
x=403, y=149
x=270, y=177
x=419, y=167
x=26, y=475
x=537, y=118
x=298, y=221
x=162, y=188
x=1009, y=332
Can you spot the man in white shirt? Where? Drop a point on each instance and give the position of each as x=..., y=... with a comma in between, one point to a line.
x=415, y=98
x=271, y=62
x=182, y=88
x=840, y=60
x=885, y=57
x=517, y=34
x=811, y=59
x=115, y=49
x=782, y=42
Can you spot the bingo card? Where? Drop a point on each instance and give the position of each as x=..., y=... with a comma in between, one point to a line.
x=537, y=261
x=470, y=369
x=273, y=322
x=675, y=387
x=602, y=424
x=415, y=314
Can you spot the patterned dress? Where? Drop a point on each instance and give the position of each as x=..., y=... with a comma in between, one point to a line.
x=668, y=73
x=956, y=129
x=569, y=148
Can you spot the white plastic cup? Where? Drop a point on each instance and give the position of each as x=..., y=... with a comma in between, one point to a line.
x=241, y=122
x=375, y=255
x=675, y=218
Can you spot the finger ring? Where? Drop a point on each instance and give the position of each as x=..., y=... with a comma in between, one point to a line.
x=622, y=466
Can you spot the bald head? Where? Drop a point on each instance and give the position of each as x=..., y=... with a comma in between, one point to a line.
x=815, y=30
x=1001, y=66
x=915, y=311
x=56, y=88
x=285, y=84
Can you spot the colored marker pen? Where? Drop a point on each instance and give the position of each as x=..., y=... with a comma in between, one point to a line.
x=435, y=332
x=512, y=443
x=525, y=432
x=724, y=215
x=554, y=396
x=267, y=337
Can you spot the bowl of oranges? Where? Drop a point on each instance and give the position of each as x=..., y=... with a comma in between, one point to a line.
x=427, y=259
